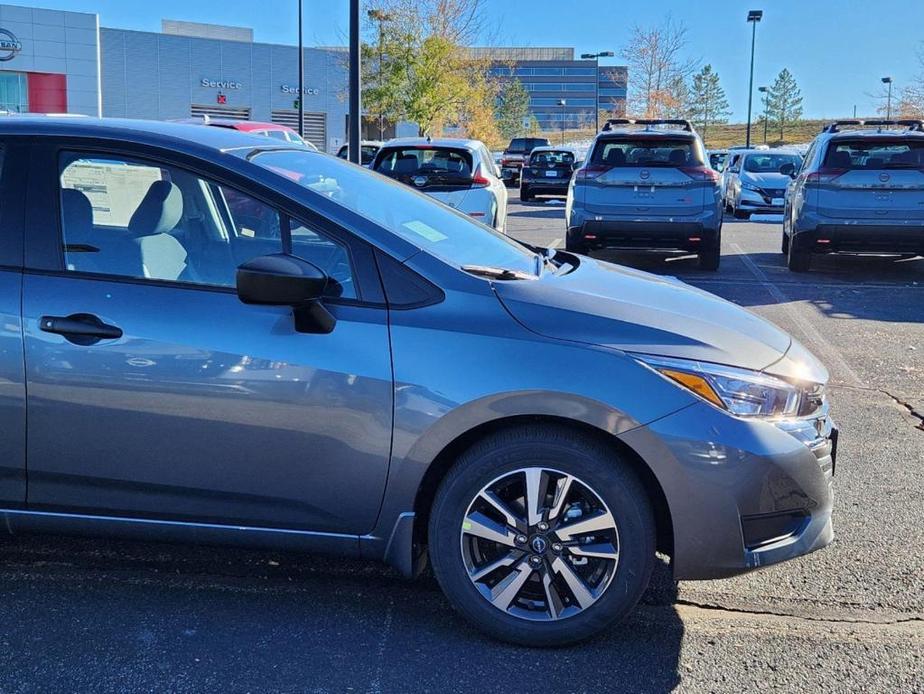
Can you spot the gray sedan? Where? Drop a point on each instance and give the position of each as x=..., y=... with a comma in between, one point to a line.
x=216, y=338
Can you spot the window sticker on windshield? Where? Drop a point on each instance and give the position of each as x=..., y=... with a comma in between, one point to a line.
x=425, y=231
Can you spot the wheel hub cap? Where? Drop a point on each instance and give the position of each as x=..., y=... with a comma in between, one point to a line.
x=539, y=544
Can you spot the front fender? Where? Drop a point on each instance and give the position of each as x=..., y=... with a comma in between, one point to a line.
x=449, y=382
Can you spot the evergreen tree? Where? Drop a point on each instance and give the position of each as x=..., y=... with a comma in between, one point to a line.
x=512, y=108
x=784, y=101
x=706, y=103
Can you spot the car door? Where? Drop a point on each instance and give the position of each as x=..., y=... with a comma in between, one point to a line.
x=154, y=392
x=14, y=157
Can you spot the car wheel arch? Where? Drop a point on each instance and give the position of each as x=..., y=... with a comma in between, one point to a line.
x=440, y=466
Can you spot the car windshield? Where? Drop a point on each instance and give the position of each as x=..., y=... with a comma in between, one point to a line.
x=526, y=144
x=423, y=165
x=876, y=154
x=770, y=163
x=551, y=158
x=647, y=151
x=429, y=225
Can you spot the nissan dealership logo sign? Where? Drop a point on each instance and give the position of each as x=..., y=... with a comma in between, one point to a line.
x=9, y=45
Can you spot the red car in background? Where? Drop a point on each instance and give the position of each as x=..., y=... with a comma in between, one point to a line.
x=273, y=130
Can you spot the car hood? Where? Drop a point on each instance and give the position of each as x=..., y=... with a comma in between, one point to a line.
x=766, y=180
x=617, y=307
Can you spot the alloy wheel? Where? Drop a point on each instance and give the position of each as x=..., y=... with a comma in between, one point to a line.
x=539, y=544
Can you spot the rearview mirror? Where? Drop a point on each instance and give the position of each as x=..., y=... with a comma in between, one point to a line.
x=285, y=280
x=788, y=169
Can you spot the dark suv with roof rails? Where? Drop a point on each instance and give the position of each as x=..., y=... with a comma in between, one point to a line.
x=646, y=185
x=859, y=190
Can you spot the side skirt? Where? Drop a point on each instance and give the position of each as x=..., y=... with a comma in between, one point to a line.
x=17, y=521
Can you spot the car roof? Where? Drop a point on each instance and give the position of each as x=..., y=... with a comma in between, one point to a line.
x=434, y=142
x=552, y=148
x=647, y=132
x=157, y=133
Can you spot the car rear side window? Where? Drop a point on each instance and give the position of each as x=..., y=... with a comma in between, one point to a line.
x=650, y=151
x=876, y=153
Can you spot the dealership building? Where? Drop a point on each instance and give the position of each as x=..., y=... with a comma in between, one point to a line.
x=53, y=61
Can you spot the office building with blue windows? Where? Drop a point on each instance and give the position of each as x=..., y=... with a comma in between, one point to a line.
x=552, y=75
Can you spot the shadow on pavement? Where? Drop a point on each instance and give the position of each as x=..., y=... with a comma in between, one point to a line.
x=111, y=616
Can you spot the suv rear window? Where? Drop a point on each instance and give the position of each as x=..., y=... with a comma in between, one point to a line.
x=526, y=144
x=440, y=165
x=547, y=157
x=875, y=154
x=647, y=151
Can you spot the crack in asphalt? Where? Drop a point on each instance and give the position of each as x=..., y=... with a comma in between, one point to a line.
x=713, y=607
x=907, y=406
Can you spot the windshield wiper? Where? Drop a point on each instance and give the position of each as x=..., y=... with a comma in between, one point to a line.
x=498, y=273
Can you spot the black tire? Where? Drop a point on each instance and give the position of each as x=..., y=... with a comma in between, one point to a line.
x=710, y=258
x=784, y=244
x=798, y=259
x=560, y=450
x=741, y=214
x=524, y=194
x=575, y=246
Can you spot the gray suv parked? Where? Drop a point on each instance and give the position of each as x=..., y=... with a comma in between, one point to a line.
x=646, y=184
x=860, y=190
x=217, y=338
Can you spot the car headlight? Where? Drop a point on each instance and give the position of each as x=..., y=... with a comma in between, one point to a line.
x=750, y=186
x=741, y=392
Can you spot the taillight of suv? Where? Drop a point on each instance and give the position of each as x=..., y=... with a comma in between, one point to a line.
x=824, y=175
x=701, y=173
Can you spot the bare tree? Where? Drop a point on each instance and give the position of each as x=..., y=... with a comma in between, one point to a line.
x=658, y=67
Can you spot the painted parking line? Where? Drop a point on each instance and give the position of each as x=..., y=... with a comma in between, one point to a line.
x=828, y=352
x=555, y=243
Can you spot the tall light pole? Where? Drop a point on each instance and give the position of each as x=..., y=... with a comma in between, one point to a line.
x=380, y=16
x=596, y=58
x=301, y=76
x=754, y=16
x=562, y=103
x=354, y=137
x=764, y=91
x=888, y=81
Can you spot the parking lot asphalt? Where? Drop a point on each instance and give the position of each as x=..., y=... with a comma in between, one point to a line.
x=83, y=615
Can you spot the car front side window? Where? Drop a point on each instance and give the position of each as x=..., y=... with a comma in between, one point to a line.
x=147, y=221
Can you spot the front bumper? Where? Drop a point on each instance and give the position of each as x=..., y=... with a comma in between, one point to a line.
x=749, y=496
x=760, y=203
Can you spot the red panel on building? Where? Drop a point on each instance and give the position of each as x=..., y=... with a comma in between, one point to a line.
x=47, y=92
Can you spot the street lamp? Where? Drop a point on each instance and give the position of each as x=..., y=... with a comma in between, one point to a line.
x=301, y=76
x=764, y=91
x=380, y=16
x=354, y=136
x=888, y=81
x=754, y=16
x=562, y=103
x=596, y=58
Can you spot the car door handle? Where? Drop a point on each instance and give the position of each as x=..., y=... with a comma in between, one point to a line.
x=80, y=328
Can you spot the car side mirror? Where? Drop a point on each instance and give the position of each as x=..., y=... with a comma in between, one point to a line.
x=285, y=280
x=788, y=169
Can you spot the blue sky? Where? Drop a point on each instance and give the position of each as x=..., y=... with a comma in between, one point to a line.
x=838, y=51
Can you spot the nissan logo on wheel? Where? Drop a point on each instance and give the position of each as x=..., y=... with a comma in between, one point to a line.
x=9, y=45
